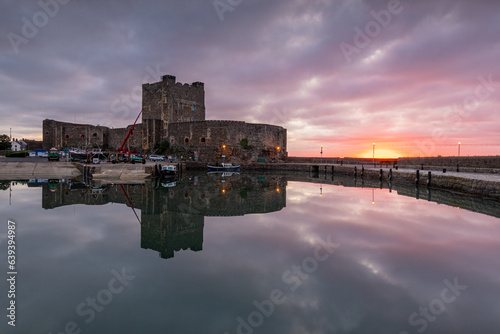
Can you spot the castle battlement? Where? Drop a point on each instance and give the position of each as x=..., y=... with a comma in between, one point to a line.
x=171, y=80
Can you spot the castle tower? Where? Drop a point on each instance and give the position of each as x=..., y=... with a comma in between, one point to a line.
x=167, y=102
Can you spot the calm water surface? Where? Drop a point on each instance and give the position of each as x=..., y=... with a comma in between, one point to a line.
x=247, y=255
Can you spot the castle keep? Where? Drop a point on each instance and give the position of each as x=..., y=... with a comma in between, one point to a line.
x=168, y=102
x=175, y=112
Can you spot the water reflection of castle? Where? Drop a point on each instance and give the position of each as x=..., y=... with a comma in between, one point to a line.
x=172, y=218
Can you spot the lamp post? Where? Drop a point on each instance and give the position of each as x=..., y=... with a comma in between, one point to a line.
x=373, y=155
x=321, y=154
x=223, y=153
x=459, y=143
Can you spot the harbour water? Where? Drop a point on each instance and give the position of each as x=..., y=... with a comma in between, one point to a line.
x=250, y=254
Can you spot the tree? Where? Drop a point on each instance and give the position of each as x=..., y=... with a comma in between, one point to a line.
x=4, y=185
x=5, y=143
x=244, y=143
x=162, y=148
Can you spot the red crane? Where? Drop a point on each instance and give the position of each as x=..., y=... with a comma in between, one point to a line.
x=128, y=134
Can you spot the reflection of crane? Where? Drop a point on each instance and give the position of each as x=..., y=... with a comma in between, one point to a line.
x=130, y=202
x=128, y=134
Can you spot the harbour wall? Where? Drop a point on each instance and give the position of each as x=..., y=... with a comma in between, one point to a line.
x=483, y=164
x=483, y=185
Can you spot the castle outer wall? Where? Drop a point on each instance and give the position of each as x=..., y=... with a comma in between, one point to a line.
x=67, y=135
x=207, y=138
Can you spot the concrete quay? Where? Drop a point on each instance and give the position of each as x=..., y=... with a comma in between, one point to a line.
x=120, y=171
x=37, y=169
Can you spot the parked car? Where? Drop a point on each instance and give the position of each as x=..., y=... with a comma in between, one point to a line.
x=156, y=158
x=53, y=155
x=137, y=158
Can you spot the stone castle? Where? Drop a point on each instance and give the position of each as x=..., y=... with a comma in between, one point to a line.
x=175, y=112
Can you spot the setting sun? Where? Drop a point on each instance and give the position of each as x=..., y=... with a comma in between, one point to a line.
x=380, y=153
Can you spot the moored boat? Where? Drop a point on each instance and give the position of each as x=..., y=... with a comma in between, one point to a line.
x=225, y=167
x=169, y=171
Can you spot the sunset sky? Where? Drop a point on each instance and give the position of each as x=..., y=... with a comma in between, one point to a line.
x=415, y=77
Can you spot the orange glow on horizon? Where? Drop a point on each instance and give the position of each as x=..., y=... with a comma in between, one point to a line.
x=380, y=153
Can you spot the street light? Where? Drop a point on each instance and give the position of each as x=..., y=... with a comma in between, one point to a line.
x=321, y=153
x=373, y=154
x=459, y=143
x=278, y=152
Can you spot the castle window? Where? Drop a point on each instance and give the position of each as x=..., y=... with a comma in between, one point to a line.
x=193, y=107
x=180, y=105
x=46, y=132
x=203, y=139
x=66, y=136
x=192, y=119
x=186, y=140
x=182, y=119
x=94, y=135
x=82, y=136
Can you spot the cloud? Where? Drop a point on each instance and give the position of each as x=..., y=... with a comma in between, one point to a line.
x=263, y=58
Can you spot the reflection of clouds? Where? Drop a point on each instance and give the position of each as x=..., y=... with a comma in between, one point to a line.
x=409, y=247
x=392, y=259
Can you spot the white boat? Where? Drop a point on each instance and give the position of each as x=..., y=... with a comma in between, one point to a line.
x=225, y=167
x=168, y=170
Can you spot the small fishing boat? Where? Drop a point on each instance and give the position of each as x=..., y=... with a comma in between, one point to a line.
x=169, y=171
x=225, y=167
x=78, y=155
